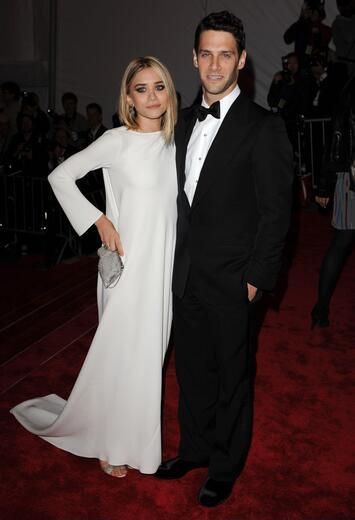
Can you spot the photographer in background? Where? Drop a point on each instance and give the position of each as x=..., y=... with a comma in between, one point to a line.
x=339, y=170
x=285, y=94
x=324, y=85
x=309, y=34
x=27, y=151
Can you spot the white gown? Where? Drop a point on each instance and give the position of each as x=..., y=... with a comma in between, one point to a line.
x=113, y=412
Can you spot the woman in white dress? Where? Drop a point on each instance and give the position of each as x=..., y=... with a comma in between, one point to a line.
x=113, y=411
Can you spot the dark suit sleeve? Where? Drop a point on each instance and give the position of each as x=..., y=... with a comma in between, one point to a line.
x=273, y=178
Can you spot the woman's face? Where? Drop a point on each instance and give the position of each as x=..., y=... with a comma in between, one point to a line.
x=149, y=96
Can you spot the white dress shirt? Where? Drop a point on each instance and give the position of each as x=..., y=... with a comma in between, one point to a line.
x=201, y=139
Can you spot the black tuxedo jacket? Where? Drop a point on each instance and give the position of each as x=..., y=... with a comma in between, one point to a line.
x=235, y=230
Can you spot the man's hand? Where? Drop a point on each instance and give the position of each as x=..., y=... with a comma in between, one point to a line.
x=108, y=234
x=251, y=291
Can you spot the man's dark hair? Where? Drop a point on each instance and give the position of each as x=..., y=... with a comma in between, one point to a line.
x=94, y=106
x=69, y=96
x=12, y=88
x=222, y=21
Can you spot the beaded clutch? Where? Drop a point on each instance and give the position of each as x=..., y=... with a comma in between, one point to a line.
x=110, y=266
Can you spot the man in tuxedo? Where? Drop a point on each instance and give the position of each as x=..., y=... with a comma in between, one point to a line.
x=234, y=164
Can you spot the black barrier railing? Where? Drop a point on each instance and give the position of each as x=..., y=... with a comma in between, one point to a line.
x=312, y=137
x=24, y=204
x=28, y=206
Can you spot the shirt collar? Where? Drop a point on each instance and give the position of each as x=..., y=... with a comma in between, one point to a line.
x=226, y=102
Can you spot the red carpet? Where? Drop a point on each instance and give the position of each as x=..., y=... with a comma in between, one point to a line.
x=301, y=465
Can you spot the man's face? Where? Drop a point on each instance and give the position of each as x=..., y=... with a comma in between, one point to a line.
x=218, y=63
x=69, y=106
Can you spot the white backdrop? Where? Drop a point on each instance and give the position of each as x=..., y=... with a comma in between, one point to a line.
x=96, y=40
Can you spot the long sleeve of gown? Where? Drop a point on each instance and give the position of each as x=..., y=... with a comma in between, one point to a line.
x=100, y=154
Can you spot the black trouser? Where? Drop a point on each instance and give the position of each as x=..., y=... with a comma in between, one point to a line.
x=214, y=370
x=332, y=265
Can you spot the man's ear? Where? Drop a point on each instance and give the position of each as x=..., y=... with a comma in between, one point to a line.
x=194, y=58
x=242, y=60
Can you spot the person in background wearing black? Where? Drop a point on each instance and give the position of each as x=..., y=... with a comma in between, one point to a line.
x=94, y=117
x=323, y=91
x=343, y=31
x=285, y=94
x=339, y=165
x=31, y=107
x=5, y=136
x=10, y=96
x=76, y=123
x=60, y=148
x=321, y=95
x=309, y=34
x=27, y=151
x=93, y=184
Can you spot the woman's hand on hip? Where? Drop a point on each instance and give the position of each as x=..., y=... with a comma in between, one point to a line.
x=108, y=234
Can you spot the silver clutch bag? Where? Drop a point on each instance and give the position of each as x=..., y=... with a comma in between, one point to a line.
x=110, y=266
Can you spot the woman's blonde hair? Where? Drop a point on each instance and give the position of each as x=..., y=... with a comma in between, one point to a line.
x=128, y=116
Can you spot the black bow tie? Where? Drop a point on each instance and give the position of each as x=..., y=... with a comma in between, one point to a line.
x=214, y=110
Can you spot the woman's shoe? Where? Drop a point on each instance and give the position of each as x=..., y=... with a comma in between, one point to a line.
x=319, y=317
x=113, y=471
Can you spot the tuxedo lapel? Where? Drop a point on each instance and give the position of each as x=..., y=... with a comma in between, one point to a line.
x=225, y=145
x=182, y=141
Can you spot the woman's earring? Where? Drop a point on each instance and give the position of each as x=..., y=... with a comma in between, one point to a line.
x=132, y=110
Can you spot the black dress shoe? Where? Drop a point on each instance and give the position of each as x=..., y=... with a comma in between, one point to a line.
x=319, y=316
x=214, y=492
x=177, y=468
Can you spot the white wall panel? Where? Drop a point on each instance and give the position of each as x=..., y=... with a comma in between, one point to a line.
x=16, y=31
x=97, y=39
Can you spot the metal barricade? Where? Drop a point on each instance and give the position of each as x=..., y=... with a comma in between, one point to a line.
x=28, y=206
x=312, y=138
x=23, y=207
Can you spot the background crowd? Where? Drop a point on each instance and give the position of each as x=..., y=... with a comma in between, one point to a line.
x=307, y=86
x=34, y=141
